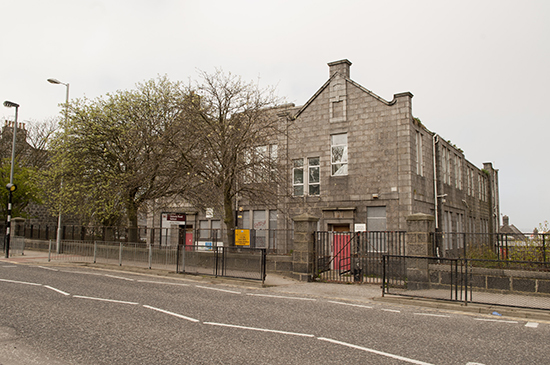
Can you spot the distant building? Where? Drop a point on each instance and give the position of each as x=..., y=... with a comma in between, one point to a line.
x=510, y=229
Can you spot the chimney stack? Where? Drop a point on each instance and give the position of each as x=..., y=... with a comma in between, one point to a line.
x=341, y=67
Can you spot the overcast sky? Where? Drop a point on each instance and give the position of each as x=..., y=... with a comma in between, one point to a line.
x=479, y=70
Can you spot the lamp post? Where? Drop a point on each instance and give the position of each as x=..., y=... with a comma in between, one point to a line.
x=11, y=186
x=58, y=237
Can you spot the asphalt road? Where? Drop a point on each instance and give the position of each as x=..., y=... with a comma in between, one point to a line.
x=79, y=315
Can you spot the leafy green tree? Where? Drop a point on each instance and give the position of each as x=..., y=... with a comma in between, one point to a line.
x=28, y=190
x=116, y=153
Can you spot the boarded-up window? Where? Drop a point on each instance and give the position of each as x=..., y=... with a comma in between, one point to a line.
x=337, y=109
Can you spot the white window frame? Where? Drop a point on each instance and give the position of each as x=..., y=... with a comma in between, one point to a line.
x=339, y=164
x=458, y=172
x=419, y=155
x=298, y=165
x=312, y=168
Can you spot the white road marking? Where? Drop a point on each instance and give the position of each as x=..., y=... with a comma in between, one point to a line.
x=160, y=282
x=224, y=290
x=280, y=297
x=56, y=290
x=351, y=305
x=119, y=277
x=412, y=361
x=494, y=320
x=432, y=315
x=259, y=329
x=474, y=363
x=532, y=324
x=171, y=313
x=391, y=310
x=84, y=273
x=19, y=282
x=8, y=265
x=47, y=268
x=105, y=300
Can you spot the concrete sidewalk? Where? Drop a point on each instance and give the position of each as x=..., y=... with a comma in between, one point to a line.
x=277, y=283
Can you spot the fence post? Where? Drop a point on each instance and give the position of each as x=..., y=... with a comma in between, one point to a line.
x=419, y=228
x=264, y=255
x=120, y=255
x=383, y=274
x=543, y=247
x=50, y=251
x=95, y=251
x=303, y=250
x=151, y=256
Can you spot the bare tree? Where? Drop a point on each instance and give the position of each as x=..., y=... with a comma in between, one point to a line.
x=236, y=131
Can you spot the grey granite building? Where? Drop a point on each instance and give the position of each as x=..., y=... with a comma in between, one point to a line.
x=360, y=162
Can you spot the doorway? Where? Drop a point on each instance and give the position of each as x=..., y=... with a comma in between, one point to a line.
x=340, y=246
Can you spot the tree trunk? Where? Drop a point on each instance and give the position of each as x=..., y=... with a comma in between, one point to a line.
x=132, y=212
x=229, y=217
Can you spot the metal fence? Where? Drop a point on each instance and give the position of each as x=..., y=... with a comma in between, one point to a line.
x=275, y=241
x=247, y=263
x=496, y=282
x=354, y=256
x=115, y=253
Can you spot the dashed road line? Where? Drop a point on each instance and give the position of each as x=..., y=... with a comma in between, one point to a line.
x=432, y=315
x=351, y=305
x=532, y=324
x=386, y=354
x=391, y=310
x=56, y=290
x=47, y=268
x=19, y=282
x=216, y=289
x=105, y=300
x=259, y=329
x=161, y=282
x=280, y=297
x=171, y=313
x=119, y=277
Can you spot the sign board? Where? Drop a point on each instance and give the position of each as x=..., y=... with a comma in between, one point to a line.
x=168, y=221
x=242, y=237
x=360, y=227
x=209, y=212
x=174, y=217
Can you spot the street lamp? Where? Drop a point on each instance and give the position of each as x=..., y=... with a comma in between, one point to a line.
x=58, y=237
x=11, y=186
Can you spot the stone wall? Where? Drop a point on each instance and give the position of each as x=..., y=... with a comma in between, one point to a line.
x=495, y=280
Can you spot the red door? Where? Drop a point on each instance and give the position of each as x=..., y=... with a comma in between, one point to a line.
x=341, y=247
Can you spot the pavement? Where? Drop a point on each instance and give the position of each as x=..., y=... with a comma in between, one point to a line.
x=278, y=283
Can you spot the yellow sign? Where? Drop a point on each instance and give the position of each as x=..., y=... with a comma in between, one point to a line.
x=242, y=237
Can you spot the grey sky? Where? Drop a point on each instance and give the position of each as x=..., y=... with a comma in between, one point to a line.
x=479, y=70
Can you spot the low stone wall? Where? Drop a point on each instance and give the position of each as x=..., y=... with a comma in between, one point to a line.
x=500, y=280
x=279, y=264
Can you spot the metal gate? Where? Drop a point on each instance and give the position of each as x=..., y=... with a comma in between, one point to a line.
x=355, y=256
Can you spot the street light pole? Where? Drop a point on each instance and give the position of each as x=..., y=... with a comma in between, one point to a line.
x=58, y=237
x=11, y=186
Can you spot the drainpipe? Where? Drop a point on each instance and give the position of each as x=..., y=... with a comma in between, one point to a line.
x=436, y=195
